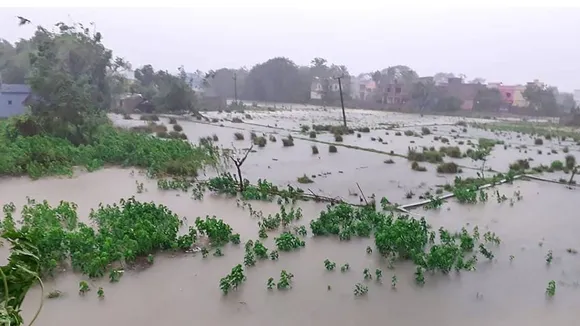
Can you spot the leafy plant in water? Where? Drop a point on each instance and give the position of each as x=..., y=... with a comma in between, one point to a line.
x=83, y=287
x=218, y=252
x=249, y=259
x=270, y=284
x=344, y=267
x=367, y=274
x=260, y=251
x=434, y=203
x=115, y=275
x=419, y=276
x=288, y=242
x=285, y=281
x=360, y=289
x=549, y=257
x=215, y=229
x=301, y=231
x=233, y=280
x=101, y=293
x=369, y=250
x=274, y=255
x=235, y=238
x=262, y=233
x=378, y=274
x=482, y=196
x=329, y=265
x=551, y=289
x=204, y=252
x=486, y=253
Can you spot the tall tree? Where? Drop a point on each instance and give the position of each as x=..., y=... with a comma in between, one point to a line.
x=276, y=80
x=488, y=99
x=541, y=98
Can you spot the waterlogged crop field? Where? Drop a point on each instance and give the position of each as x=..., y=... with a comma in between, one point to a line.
x=317, y=235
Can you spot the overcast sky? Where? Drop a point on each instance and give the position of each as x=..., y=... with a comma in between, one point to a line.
x=513, y=45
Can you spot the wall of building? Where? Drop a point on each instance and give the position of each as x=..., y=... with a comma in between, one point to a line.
x=12, y=104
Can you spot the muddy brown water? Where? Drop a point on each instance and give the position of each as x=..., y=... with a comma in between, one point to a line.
x=184, y=290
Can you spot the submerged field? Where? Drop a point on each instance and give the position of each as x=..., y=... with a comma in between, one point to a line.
x=533, y=219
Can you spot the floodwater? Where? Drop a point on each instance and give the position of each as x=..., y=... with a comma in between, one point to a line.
x=184, y=290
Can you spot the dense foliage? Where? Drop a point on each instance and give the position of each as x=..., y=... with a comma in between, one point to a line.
x=123, y=234
x=42, y=155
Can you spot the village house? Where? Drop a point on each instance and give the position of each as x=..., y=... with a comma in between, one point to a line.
x=13, y=99
x=464, y=92
x=319, y=86
x=511, y=95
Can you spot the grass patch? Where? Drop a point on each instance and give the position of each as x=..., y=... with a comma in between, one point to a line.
x=451, y=151
x=519, y=165
x=304, y=179
x=425, y=156
x=448, y=167
x=416, y=167
x=38, y=156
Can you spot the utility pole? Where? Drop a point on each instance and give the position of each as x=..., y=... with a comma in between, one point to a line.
x=235, y=77
x=341, y=99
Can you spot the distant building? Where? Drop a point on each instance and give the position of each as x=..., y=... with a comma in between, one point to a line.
x=512, y=95
x=321, y=85
x=465, y=92
x=13, y=99
x=576, y=95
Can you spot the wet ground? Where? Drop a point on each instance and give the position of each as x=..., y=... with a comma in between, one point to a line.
x=184, y=290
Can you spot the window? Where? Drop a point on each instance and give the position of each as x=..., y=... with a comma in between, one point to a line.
x=9, y=102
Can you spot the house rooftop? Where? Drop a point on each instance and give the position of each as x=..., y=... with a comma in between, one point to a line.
x=14, y=88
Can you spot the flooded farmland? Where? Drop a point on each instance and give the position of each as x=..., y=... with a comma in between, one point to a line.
x=533, y=219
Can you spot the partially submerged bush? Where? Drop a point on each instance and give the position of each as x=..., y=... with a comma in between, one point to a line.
x=272, y=138
x=425, y=131
x=214, y=137
x=312, y=134
x=173, y=121
x=451, y=151
x=409, y=133
x=557, y=165
x=539, y=141
x=314, y=150
x=364, y=129
x=397, y=133
x=260, y=141
x=332, y=149
x=570, y=161
x=304, y=179
x=337, y=138
x=127, y=116
x=237, y=120
x=429, y=156
x=239, y=136
x=415, y=166
x=287, y=142
x=520, y=165
x=389, y=161
x=177, y=128
x=448, y=167
x=461, y=123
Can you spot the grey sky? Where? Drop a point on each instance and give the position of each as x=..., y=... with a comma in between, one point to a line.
x=512, y=45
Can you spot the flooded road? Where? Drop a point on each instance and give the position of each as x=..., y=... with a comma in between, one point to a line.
x=184, y=289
